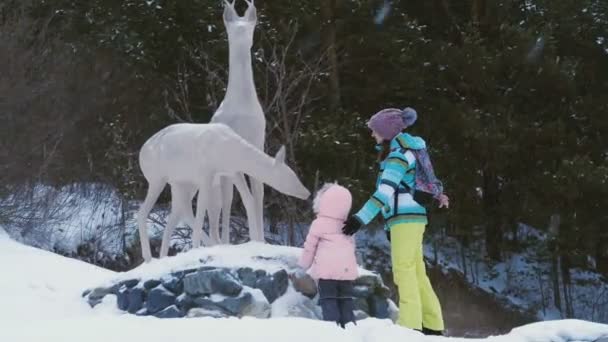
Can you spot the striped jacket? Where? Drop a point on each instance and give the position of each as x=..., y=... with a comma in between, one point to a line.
x=395, y=185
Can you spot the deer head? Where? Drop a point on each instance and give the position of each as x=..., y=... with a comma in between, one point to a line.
x=240, y=29
x=285, y=180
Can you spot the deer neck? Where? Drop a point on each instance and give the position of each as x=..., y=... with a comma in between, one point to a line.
x=257, y=164
x=241, y=88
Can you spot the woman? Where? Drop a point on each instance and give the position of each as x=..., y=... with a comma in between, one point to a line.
x=405, y=218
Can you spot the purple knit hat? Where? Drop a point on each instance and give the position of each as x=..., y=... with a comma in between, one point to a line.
x=391, y=121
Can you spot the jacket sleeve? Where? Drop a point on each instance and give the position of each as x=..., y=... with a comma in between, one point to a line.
x=395, y=169
x=310, y=246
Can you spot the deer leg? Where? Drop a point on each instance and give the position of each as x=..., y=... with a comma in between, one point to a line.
x=155, y=187
x=257, y=191
x=202, y=202
x=227, y=189
x=213, y=212
x=180, y=206
x=247, y=198
x=172, y=221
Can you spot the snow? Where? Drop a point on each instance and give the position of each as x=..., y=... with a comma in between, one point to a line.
x=518, y=279
x=40, y=293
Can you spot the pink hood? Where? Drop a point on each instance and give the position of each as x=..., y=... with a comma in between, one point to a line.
x=327, y=251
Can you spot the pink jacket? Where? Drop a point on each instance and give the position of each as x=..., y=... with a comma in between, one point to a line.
x=328, y=253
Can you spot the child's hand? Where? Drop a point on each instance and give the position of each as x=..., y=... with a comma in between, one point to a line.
x=444, y=201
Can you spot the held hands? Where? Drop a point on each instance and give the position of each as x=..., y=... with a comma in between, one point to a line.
x=351, y=226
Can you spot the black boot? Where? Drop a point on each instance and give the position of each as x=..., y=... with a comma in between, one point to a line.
x=428, y=331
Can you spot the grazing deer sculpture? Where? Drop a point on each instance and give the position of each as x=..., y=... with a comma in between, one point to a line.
x=195, y=157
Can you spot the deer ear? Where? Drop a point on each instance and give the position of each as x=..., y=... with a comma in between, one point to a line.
x=229, y=12
x=251, y=14
x=280, y=157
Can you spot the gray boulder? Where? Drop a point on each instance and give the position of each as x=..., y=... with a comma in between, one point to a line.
x=273, y=286
x=235, y=306
x=205, y=282
x=159, y=298
x=362, y=304
x=200, y=312
x=135, y=299
x=122, y=298
x=361, y=291
x=378, y=307
x=151, y=283
x=170, y=312
x=99, y=292
x=128, y=283
x=175, y=285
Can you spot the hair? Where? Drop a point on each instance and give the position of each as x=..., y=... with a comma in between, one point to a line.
x=383, y=153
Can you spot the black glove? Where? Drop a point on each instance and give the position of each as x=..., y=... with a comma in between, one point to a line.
x=388, y=235
x=351, y=226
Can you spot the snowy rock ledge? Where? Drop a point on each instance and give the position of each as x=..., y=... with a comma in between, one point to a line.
x=252, y=279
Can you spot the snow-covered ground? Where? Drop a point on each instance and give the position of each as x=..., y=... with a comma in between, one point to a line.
x=41, y=301
x=523, y=280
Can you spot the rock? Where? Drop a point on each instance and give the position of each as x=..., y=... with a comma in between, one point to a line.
x=159, y=298
x=151, y=283
x=359, y=315
x=383, y=291
x=361, y=291
x=185, y=302
x=86, y=292
x=361, y=304
x=181, y=274
x=378, y=307
x=142, y=312
x=122, y=299
x=205, y=282
x=99, y=292
x=273, y=286
x=94, y=302
x=135, y=297
x=260, y=307
x=235, y=306
x=247, y=276
x=174, y=285
x=128, y=283
x=370, y=281
x=305, y=309
x=393, y=311
x=199, y=312
x=208, y=304
x=170, y=312
x=304, y=284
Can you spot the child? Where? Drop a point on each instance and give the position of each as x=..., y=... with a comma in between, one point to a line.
x=329, y=255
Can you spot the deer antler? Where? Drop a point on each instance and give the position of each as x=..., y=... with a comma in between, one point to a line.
x=229, y=11
x=251, y=13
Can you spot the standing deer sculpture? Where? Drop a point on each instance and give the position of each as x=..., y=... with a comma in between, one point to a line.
x=240, y=110
x=194, y=157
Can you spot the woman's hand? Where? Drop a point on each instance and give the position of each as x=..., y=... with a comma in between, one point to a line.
x=444, y=201
x=351, y=226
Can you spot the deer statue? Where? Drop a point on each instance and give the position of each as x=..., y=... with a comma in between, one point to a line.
x=194, y=157
x=241, y=111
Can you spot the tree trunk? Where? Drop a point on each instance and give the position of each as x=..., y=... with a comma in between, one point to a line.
x=478, y=11
x=493, y=226
x=554, y=224
x=601, y=254
x=328, y=32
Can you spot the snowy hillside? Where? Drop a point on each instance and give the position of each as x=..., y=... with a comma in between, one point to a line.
x=41, y=297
